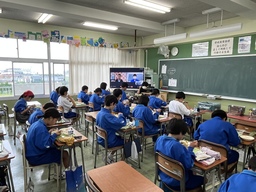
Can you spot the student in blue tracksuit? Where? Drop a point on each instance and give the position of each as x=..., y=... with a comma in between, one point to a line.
x=154, y=101
x=83, y=96
x=54, y=95
x=96, y=99
x=124, y=86
x=110, y=123
x=103, y=87
x=39, y=112
x=217, y=130
x=149, y=117
x=40, y=148
x=21, y=109
x=242, y=182
x=121, y=107
x=170, y=146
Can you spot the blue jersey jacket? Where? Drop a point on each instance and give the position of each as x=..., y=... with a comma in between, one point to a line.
x=123, y=96
x=155, y=102
x=120, y=107
x=111, y=124
x=33, y=117
x=105, y=92
x=54, y=97
x=97, y=101
x=20, y=105
x=84, y=97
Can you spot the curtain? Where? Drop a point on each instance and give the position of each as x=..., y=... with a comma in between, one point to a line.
x=90, y=65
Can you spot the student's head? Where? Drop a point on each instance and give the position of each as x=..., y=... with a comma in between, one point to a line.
x=47, y=106
x=63, y=90
x=124, y=85
x=180, y=95
x=103, y=85
x=98, y=91
x=220, y=113
x=58, y=89
x=85, y=88
x=27, y=95
x=117, y=93
x=155, y=92
x=144, y=84
x=134, y=76
x=110, y=101
x=177, y=127
x=51, y=116
x=143, y=100
x=252, y=163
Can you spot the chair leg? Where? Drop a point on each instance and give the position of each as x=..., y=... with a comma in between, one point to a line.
x=49, y=172
x=93, y=139
x=14, y=131
x=95, y=155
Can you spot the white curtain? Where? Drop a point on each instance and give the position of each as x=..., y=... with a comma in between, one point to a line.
x=90, y=65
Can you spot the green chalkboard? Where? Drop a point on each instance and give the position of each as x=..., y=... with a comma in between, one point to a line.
x=226, y=76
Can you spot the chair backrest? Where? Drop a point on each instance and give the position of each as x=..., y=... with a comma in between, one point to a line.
x=102, y=133
x=91, y=106
x=140, y=126
x=174, y=115
x=6, y=109
x=170, y=167
x=23, y=145
x=61, y=110
x=90, y=184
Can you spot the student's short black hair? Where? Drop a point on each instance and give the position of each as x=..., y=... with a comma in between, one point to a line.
x=110, y=99
x=97, y=90
x=103, y=85
x=134, y=74
x=117, y=92
x=155, y=92
x=84, y=88
x=252, y=163
x=176, y=126
x=143, y=100
x=124, y=84
x=48, y=105
x=144, y=84
x=58, y=89
x=220, y=113
x=63, y=89
x=180, y=95
x=50, y=112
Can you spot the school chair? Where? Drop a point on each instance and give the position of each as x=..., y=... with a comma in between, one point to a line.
x=73, y=120
x=173, y=169
x=16, y=124
x=89, y=121
x=174, y=115
x=143, y=138
x=102, y=133
x=91, y=106
x=90, y=187
x=27, y=166
x=226, y=168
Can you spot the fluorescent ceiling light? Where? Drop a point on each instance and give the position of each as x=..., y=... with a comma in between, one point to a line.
x=213, y=10
x=44, y=17
x=171, y=38
x=148, y=5
x=217, y=30
x=171, y=21
x=99, y=25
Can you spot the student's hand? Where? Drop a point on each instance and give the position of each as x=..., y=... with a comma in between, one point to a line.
x=119, y=114
x=193, y=144
x=58, y=132
x=126, y=102
x=158, y=110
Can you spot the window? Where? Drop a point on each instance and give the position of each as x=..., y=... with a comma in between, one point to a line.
x=60, y=74
x=59, y=51
x=6, y=79
x=10, y=50
x=32, y=49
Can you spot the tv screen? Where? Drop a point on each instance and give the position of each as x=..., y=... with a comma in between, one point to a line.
x=133, y=76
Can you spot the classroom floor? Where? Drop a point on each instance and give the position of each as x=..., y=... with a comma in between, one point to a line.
x=39, y=175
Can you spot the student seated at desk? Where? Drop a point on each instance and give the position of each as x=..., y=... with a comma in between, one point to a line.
x=96, y=99
x=217, y=130
x=181, y=107
x=67, y=102
x=154, y=101
x=121, y=107
x=54, y=95
x=143, y=88
x=39, y=112
x=170, y=146
x=242, y=182
x=111, y=124
x=103, y=87
x=21, y=109
x=40, y=148
x=144, y=113
x=83, y=96
x=124, y=86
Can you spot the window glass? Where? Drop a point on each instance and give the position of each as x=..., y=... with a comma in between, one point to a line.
x=32, y=49
x=28, y=76
x=6, y=79
x=8, y=47
x=61, y=75
x=59, y=51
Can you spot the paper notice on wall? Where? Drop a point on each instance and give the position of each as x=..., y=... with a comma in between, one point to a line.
x=172, y=83
x=164, y=68
x=244, y=44
x=222, y=46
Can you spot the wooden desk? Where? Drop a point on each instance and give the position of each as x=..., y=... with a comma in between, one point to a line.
x=36, y=103
x=241, y=119
x=5, y=161
x=77, y=142
x=81, y=107
x=120, y=176
x=208, y=168
x=61, y=125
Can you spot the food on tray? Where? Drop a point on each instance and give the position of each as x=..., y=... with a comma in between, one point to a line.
x=185, y=143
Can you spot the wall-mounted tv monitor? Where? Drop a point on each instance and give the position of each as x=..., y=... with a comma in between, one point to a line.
x=133, y=76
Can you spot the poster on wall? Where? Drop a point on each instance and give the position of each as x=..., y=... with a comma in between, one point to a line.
x=200, y=49
x=244, y=44
x=222, y=46
x=55, y=36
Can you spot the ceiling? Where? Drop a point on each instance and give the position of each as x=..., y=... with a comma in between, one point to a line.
x=72, y=13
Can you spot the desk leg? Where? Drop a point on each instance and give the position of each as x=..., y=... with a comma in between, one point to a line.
x=61, y=161
x=245, y=153
x=204, y=180
x=82, y=153
x=10, y=176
